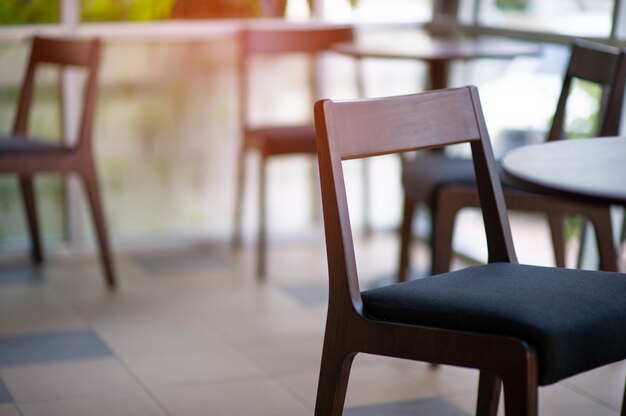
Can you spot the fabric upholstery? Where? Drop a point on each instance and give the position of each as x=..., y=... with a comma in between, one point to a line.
x=425, y=174
x=19, y=144
x=575, y=319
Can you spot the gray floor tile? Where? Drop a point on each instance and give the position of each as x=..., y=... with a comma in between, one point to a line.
x=22, y=273
x=5, y=396
x=176, y=261
x=48, y=347
x=425, y=407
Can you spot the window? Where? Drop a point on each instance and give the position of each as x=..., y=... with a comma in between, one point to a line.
x=370, y=11
x=569, y=17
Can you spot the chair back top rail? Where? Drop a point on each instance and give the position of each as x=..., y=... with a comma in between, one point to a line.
x=603, y=65
x=59, y=51
x=306, y=39
x=368, y=127
x=388, y=125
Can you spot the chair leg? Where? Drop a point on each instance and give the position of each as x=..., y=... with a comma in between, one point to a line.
x=28, y=197
x=489, y=387
x=558, y=240
x=442, y=217
x=333, y=382
x=520, y=396
x=316, y=206
x=623, y=412
x=601, y=220
x=93, y=195
x=240, y=184
x=583, y=244
x=262, y=236
x=365, y=183
x=405, y=239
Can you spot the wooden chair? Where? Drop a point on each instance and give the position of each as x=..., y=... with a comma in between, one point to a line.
x=276, y=140
x=523, y=326
x=447, y=185
x=26, y=156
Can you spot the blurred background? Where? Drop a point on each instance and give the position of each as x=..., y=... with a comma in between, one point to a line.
x=167, y=130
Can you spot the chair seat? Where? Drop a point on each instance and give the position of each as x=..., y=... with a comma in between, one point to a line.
x=425, y=174
x=283, y=140
x=23, y=145
x=574, y=319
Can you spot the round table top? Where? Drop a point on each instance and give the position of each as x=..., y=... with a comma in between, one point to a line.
x=440, y=49
x=592, y=169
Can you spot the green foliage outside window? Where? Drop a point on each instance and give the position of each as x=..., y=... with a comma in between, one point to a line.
x=517, y=5
x=47, y=11
x=124, y=10
x=14, y=12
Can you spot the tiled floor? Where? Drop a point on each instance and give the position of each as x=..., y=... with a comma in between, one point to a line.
x=191, y=332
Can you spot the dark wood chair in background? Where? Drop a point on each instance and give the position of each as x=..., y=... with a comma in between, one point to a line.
x=24, y=155
x=521, y=326
x=276, y=140
x=446, y=185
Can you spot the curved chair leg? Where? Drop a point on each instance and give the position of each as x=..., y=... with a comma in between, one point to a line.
x=443, y=217
x=316, y=202
x=365, y=183
x=520, y=395
x=262, y=233
x=583, y=245
x=489, y=387
x=333, y=382
x=240, y=184
x=558, y=240
x=28, y=197
x=93, y=195
x=601, y=220
x=623, y=412
x=405, y=239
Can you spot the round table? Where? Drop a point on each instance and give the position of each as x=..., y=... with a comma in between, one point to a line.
x=438, y=52
x=591, y=169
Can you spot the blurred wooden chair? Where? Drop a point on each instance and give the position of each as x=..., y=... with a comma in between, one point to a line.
x=276, y=140
x=446, y=185
x=25, y=155
x=522, y=326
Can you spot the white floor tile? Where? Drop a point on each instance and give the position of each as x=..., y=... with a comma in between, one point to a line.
x=250, y=398
x=34, y=308
x=191, y=366
x=69, y=379
x=8, y=410
x=137, y=404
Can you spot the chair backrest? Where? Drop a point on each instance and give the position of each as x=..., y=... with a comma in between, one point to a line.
x=63, y=53
x=602, y=65
x=270, y=38
x=363, y=128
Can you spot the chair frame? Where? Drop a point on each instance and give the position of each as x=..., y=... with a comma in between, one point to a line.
x=267, y=40
x=450, y=199
x=363, y=128
x=62, y=158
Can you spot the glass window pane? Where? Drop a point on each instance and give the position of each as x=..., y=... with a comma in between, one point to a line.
x=377, y=11
x=570, y=17
x=16, y=12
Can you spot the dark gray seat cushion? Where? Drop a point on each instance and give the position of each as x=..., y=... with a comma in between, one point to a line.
x=21, y=144
x=425, y=174
x=575, y=319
